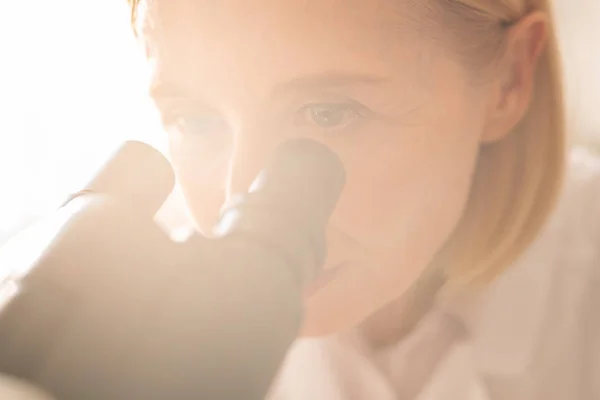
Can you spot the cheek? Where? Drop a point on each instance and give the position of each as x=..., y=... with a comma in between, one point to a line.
x=408, y=193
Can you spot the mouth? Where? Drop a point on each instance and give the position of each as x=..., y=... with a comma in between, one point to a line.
x=323, y=279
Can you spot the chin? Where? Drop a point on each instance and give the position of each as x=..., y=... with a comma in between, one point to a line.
x=345, y=303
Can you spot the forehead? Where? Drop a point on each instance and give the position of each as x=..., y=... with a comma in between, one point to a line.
x=261, y=18
x=286, y=38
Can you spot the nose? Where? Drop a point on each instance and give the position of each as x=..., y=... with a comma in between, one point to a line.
x=252, y=148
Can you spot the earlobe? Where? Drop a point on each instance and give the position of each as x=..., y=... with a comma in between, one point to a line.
x=514, y=86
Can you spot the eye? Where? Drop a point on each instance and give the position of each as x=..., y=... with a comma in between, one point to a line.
x=329, y=116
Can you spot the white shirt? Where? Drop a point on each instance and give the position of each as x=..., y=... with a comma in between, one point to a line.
x=535, y=335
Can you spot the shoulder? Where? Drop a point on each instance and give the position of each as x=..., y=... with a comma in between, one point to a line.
x=572, y=235
x=571, y=238
x=535, y=316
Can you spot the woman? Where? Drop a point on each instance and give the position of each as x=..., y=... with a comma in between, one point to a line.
x=448, y=276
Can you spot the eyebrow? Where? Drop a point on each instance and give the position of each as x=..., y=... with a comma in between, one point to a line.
x=321, y=80
x=329, y=79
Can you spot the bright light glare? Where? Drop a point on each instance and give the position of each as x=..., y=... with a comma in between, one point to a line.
x=72, y=86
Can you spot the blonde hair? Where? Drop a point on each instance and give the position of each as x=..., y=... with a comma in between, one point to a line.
x=518, y=178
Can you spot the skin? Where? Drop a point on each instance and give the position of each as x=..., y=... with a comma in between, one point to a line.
x=234, y=79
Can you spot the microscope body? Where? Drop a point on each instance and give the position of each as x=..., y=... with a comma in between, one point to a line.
x=106, y=306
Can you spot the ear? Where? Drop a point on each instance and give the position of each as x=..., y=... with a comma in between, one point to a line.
x=512, y=90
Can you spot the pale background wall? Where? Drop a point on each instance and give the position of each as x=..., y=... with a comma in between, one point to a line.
x=579, y=29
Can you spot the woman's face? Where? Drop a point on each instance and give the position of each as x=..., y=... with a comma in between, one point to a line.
x=234, y=79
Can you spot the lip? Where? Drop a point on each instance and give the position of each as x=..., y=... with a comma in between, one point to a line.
x=322, y=280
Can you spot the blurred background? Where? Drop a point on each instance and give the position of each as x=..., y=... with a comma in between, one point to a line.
x=72, y=86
